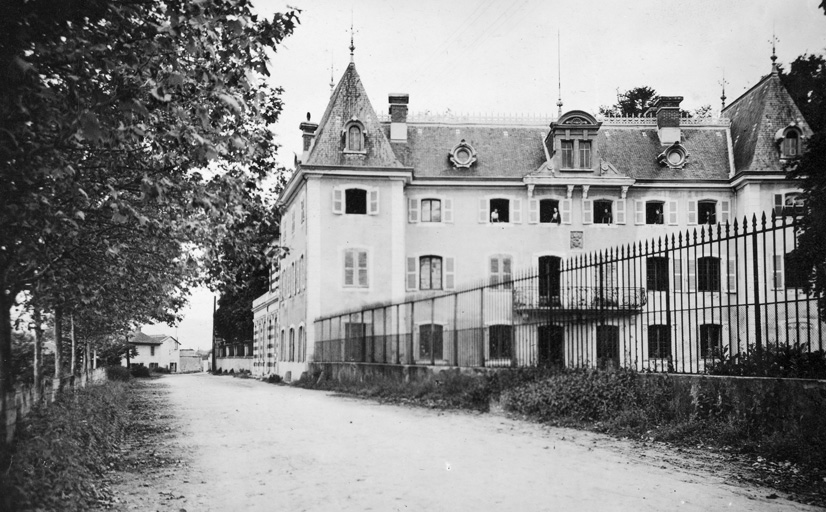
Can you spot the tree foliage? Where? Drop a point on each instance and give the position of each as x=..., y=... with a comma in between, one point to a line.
x=631, y=103
x=806, y=83
x=130, y=136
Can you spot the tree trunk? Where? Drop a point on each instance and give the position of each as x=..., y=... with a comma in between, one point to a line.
x=5, y=358
x=128, y=352
x=73, y=357
x=57, y=385
x=38, y=353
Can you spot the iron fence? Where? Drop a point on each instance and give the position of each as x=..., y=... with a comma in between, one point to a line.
x=676, y=303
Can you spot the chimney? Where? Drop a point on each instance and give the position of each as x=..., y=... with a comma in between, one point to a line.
x=668, y=118
x=308, y=134
x=398, y=117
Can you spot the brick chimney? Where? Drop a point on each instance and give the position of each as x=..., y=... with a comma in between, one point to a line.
x=308, y=134
x=668, y=118
x=398, y=117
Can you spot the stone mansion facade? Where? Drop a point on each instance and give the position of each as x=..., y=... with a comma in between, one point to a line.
x=384, y=209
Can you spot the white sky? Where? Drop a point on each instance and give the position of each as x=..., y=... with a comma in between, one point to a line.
x=500, y=56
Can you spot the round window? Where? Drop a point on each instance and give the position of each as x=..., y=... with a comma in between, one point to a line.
x=675, y=157
x=462, y=155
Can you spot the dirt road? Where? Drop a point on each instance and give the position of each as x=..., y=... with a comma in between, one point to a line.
x=232, y=444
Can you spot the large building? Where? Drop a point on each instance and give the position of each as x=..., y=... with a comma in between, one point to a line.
x=384, y=209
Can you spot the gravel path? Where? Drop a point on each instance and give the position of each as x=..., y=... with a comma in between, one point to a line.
x=240, y=444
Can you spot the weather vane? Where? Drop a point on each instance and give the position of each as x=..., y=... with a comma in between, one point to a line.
x=723, y=83
x=774, y=40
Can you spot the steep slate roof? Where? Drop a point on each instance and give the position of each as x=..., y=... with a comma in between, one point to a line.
x=497, y=155
x=756, y=116
x=349, y=100
x=632, y=150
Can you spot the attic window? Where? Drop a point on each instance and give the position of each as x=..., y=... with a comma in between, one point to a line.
x=674, y=156
x=463, y=155
x=791, y=144
x=354, y=137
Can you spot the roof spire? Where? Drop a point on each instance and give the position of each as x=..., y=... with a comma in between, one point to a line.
x=352, y=46
x=773, y=41
x=332, y=84
x=723, y=84
x=559, y=76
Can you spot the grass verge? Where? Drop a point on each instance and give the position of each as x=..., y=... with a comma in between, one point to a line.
x=63, y=449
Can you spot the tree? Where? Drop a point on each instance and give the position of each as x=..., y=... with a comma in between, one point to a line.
x=633, y=102
x=128, y=132
x=806, y=83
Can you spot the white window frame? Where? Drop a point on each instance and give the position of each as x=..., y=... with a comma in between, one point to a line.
x=339, y=199
x=412, y=268
x=618, y=212
x=514, y=209
x=414, y=209
x=564, y=209
x=722, y=211
x=355, y=286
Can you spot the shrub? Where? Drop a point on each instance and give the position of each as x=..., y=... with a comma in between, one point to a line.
x=161, y=369
x=774, y=361
x=61, y=450
x=118, y=373
x=139, y=370
x=273, y=378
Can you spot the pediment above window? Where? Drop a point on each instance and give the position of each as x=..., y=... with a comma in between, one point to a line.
x=463, y=155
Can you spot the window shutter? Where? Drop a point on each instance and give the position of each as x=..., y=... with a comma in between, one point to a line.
x=494, y=271
x=533, y=211
x=566, y=211
x=672, y=213
x=732, y=275
x=639, y=212
x=412, y=210
x=678, y=275
x=516, y=213
x=725, y=211
x=692, y=213
x=374, y=201
x=778, y=271
x=349, y=268
x=447, y=211
x=483, y=211
x=411, y=273
x=587, y=211
x=450, y=273
x=692, y=275
x=362, y=269
x=338, y=201
x=620, y=218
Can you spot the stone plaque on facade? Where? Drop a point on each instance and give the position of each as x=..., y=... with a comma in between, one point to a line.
x=576, y=239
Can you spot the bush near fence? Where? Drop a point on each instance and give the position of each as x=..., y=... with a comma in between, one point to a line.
x=62, y=448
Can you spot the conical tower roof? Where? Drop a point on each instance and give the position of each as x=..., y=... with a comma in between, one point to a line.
x=349, y=102
x=756, y=118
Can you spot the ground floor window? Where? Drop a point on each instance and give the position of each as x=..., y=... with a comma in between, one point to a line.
x=500, y=342
x=607, y=345
x=431, y=341
x=659, y=342
x=710, y=340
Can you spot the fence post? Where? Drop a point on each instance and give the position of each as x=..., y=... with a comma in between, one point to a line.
x=455, y=329
x=758, y=337
x=482, y=324
x=410, y=357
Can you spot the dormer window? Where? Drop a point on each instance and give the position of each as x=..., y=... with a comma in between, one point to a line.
x=463, y=155
x=789, y=141
x=354, y=137
x=573, y=139
x=674, y=157
x=791, y=144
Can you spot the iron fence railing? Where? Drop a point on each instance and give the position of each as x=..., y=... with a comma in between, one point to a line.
x=677, y=303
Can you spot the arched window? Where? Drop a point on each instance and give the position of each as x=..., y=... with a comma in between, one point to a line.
x=302, y=345
x=791, y=144
x=281, y=349
x=354, y=137
x=292, y=344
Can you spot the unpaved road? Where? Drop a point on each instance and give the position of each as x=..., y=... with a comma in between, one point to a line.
x=230, y=444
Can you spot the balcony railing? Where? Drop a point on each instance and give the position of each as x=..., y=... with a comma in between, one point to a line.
x=580, y=298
